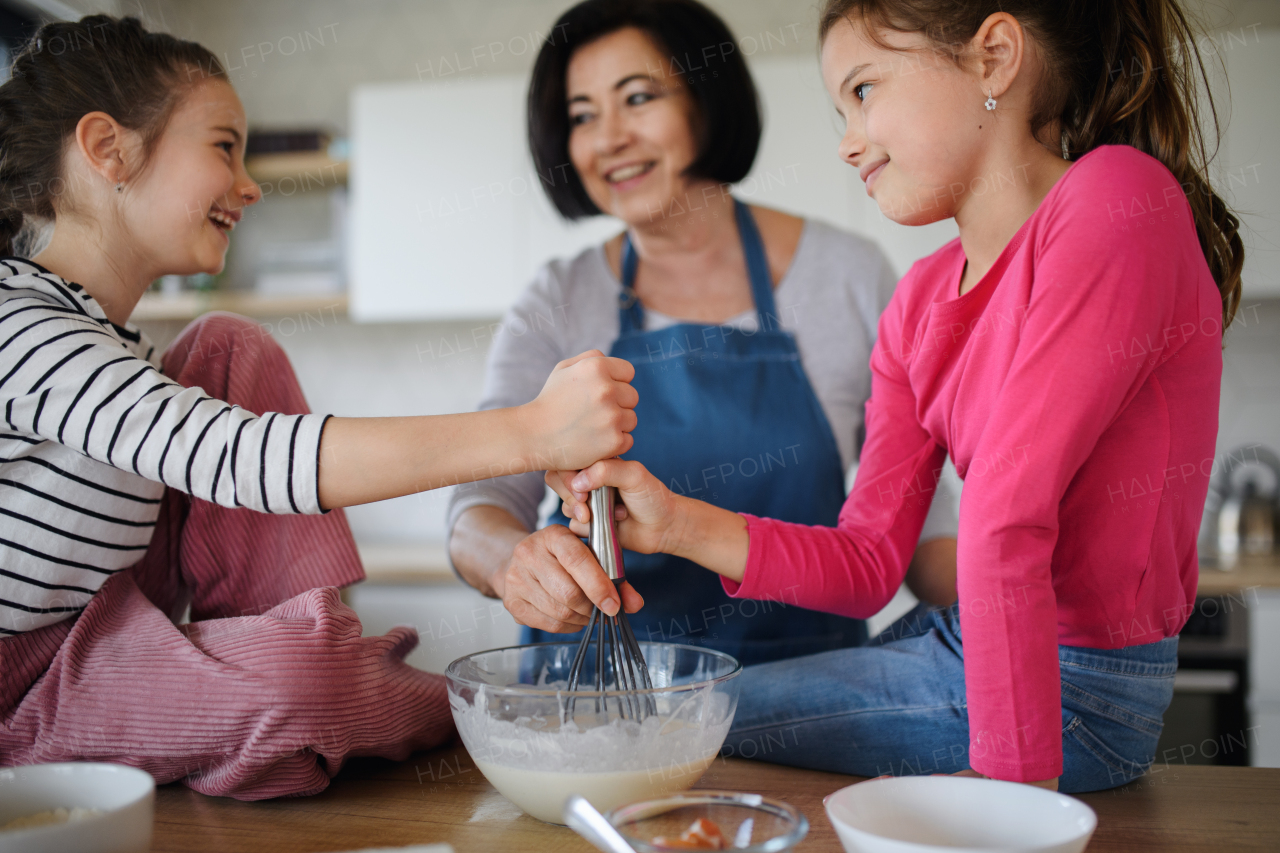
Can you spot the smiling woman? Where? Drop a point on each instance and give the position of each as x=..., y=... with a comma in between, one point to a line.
x=135, y=484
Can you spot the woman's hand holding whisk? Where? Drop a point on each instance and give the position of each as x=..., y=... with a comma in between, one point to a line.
x=553, y=580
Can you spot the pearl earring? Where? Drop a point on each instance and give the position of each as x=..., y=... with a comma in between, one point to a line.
x=991, y=102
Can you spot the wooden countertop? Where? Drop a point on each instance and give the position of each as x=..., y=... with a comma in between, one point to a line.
x=1252, y=572
x=440, y=796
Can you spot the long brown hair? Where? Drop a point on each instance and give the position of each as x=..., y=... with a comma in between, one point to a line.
x=1118, y=72
x=69, y=69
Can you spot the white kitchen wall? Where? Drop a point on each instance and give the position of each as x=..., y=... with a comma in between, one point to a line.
x=1250, y=410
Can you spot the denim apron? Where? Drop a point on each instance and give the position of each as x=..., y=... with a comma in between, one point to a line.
x=728, y=416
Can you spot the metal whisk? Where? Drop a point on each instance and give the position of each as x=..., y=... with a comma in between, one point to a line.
x=619, y=662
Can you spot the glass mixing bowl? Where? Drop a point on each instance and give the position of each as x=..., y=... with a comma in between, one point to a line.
x=538, y=744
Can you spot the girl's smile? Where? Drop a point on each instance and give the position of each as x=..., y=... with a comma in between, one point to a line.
x=224, y=219
x=869, y=172
x=183, y=207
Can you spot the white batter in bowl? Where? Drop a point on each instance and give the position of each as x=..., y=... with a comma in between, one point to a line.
x=538, y=744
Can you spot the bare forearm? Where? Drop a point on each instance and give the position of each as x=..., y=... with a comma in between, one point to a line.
x=481, y=545
x=372, y=459
x=712, y=537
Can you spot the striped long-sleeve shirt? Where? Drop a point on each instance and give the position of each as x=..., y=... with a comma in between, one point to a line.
x=91, y=432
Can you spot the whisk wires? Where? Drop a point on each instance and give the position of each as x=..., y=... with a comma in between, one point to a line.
x=619, y=661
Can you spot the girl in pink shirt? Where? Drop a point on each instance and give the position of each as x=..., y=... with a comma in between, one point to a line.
x=1065, y=352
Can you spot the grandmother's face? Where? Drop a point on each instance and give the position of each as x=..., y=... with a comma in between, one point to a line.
x=631, y=137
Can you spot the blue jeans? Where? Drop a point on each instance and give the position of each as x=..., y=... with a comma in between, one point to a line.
x=897, y=706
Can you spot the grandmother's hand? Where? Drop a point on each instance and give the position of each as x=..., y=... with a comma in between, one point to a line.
x=553, y=580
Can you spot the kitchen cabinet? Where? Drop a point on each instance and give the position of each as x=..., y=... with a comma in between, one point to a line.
x=448, y=217
x=451, y=618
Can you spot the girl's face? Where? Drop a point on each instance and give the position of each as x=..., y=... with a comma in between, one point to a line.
x=631, y=139
x=194, y=188
x=912, y=121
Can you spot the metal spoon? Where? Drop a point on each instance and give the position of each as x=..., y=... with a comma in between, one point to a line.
x=583, y=818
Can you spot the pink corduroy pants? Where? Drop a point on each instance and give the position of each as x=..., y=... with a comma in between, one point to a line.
x=270, y=687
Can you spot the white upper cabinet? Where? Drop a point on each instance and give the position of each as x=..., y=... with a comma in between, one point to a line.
x=448, y=218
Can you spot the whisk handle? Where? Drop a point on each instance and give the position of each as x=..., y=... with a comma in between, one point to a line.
x=604, y=532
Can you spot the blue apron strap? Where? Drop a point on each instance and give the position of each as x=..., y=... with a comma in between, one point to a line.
x=630, y=311
x=757, y=266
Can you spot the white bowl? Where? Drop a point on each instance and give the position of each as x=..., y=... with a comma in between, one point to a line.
x=125, y=796
x=915, y=814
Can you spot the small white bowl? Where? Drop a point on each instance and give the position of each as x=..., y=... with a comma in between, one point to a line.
x=125, y=795
x=915, y=814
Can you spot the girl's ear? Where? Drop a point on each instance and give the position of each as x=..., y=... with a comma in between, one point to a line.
x=104, y=144
x=999, y=46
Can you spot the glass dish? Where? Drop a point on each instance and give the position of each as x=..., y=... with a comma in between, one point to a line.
x=751, y=823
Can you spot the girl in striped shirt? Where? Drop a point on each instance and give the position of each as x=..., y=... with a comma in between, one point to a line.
x=134, y=485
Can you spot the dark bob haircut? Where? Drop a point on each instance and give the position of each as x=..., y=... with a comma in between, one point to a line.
x=695, y=44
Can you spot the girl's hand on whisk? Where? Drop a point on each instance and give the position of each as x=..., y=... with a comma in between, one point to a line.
x=586, y=410
x=645, y=513
x=653, y=520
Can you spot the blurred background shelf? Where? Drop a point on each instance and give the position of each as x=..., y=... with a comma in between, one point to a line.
x=187, y=306
x=306, y=170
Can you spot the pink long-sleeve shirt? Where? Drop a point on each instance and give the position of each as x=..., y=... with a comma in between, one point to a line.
x=1076, y=389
